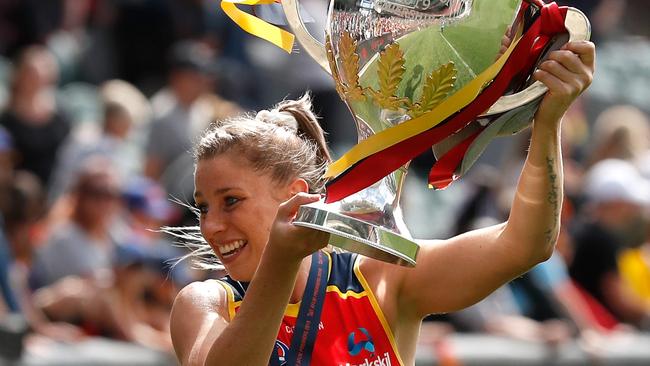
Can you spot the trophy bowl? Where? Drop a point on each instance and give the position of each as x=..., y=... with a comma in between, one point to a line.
x=394, y=61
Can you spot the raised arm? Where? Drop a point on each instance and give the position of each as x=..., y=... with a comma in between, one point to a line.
x=201, y=331
x=458, y=272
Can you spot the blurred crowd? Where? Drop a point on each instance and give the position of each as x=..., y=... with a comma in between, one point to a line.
x=100, y=101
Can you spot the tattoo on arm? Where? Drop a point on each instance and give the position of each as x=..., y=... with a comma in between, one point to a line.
x=553, y=199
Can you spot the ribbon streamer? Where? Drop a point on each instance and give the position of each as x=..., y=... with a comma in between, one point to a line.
x=257, y=26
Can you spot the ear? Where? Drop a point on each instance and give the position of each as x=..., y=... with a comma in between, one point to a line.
x=297, y=186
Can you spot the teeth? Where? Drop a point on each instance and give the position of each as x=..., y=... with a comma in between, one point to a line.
x=227, y=248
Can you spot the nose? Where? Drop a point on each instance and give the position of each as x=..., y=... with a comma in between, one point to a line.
x=213, y=224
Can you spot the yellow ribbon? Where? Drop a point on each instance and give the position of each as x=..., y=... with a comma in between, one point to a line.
x=257, y=26
x=391, y=136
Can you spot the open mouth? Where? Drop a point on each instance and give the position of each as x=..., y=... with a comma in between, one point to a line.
x=231, y=249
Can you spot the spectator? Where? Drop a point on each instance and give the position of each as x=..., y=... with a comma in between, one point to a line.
x=620, y=132
x=147, y=209
x=635, y=270
x=125, y=107
x=179, y=111
x=24, y=226
x=82, y=244
x=616, y=195
x=32, y=119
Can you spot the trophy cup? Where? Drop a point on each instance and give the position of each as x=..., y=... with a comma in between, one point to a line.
x=396, y=60
x=420, y=74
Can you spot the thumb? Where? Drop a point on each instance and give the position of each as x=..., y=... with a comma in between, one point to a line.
x=288, y=209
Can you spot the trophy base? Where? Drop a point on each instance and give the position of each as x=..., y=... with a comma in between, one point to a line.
x=359, y=236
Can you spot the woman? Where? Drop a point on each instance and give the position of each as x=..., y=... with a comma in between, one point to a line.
x=33, y=118
x=252, y=175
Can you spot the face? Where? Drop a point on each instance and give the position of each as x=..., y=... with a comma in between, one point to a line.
x=238, y=206
x=38, y=71
x=189, y=85
x=97, y=201
x=119, y=125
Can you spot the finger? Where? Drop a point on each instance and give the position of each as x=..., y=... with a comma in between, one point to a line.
x=289, y=208
x=506, y=41
x=558, y=70
x=574, y=83
x=586, y=50
x=552, y=82
x=569, y=60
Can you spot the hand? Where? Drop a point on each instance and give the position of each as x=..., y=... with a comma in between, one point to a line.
x=506, y=41
x=295, y=242
x=566, y=73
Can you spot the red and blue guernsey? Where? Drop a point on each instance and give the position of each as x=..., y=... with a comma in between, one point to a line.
x=352, y=331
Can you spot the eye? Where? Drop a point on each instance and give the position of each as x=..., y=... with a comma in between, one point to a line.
x=231, y=201
x=202, y=207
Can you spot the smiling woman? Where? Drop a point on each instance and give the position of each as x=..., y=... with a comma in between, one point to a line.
x=286, y=301
x=228, y=193
x=246, y=167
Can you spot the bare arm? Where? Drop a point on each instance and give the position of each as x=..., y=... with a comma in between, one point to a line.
x=462, y=270
x=201, y=332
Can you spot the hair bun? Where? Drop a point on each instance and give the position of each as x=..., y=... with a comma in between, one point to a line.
x=276, y=117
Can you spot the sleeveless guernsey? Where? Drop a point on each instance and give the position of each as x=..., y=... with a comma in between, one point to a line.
x=352, y=331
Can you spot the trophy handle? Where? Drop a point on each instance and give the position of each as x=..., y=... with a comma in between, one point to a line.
x=577, y=24
x=314, y=48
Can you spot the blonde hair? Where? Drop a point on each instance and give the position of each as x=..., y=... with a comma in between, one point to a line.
x=285, y=142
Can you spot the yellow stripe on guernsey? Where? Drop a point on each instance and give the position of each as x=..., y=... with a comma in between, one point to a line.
x=231, y=299
x=292, y=309
x=345, y=295
x=378, y=311
x=257, y=26
x=391, y=136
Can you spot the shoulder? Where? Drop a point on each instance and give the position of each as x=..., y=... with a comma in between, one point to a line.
x=199, y=314
x=205, y=296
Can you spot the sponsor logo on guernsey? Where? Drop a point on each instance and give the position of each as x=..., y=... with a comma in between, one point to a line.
x=282, y=351
x=362, y=341
x=365, y=343
x=380, y=360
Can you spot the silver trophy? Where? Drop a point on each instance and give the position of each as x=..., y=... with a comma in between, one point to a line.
x=383, y=54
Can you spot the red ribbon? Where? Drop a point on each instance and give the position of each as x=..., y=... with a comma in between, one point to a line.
x=442, y=172
x=376, y=166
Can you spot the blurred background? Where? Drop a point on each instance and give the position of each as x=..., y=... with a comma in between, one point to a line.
x=100, y=101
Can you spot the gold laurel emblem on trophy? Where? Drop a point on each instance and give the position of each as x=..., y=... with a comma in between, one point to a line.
x=390, y=71
x=436, y=88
